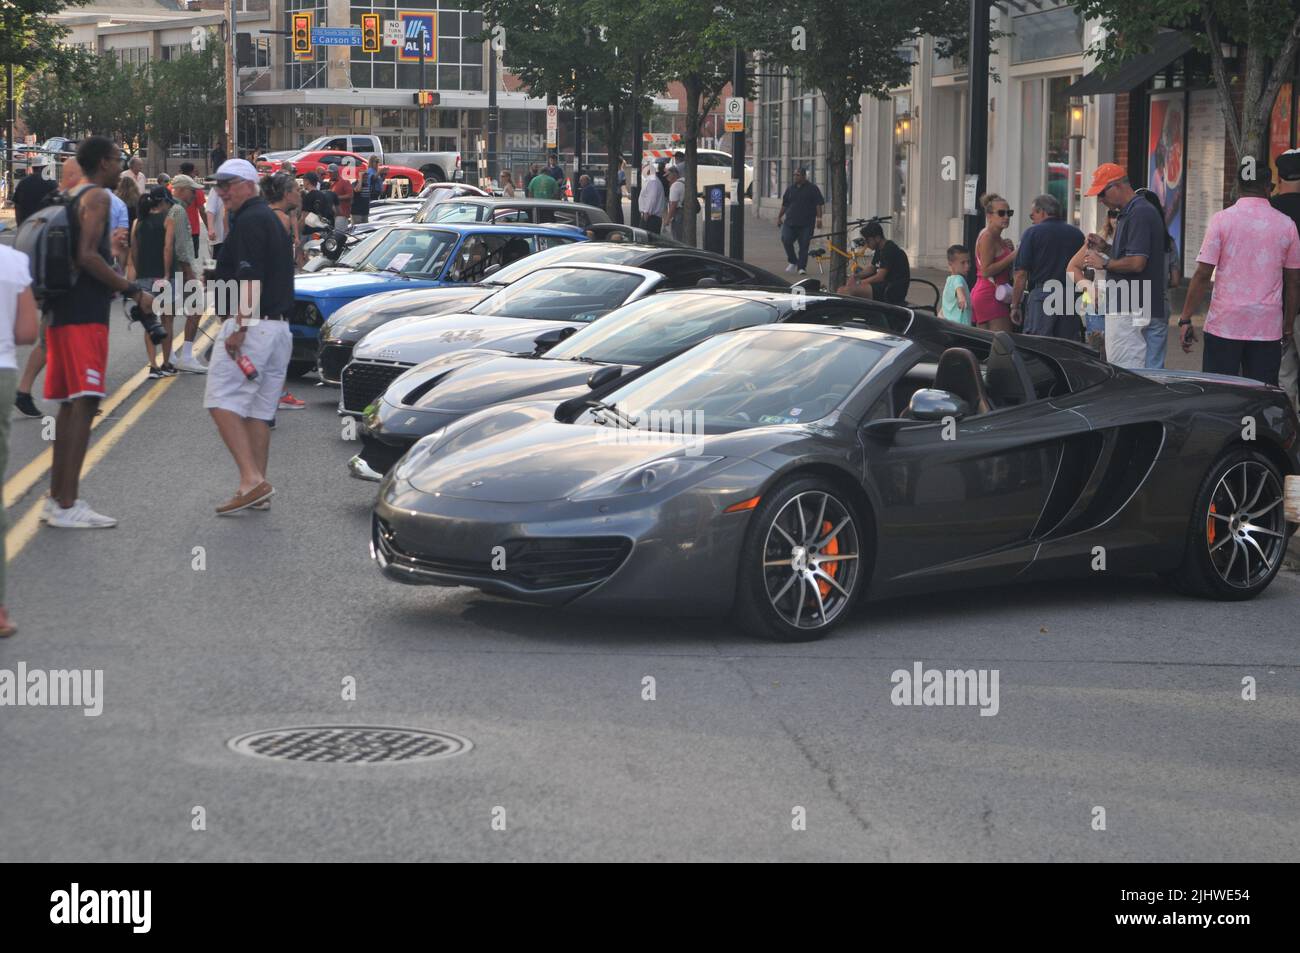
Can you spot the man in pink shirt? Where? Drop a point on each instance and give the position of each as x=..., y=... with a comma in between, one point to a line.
x=1253, y=252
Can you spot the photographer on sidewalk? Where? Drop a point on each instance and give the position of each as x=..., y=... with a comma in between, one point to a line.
x=251, y=357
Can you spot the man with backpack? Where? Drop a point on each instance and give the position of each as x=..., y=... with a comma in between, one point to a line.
x=76, y=341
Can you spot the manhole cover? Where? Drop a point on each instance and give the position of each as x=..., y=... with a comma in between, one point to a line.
x=349, y=744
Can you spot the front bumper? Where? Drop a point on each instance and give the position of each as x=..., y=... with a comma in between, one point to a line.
x=331, y=358
x=675, y=556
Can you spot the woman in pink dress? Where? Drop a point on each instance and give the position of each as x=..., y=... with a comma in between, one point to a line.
x=991, y=297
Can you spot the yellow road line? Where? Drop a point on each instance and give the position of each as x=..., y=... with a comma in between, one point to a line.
x=25, y=529
x=16, y=486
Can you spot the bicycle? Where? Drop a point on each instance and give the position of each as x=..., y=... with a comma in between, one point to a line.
x=859, y=246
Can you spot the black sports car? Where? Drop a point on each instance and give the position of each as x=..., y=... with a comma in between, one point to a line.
x=440, y=391
x=684, y=267
x=779, y=473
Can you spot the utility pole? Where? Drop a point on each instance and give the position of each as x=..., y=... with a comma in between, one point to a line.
x=738, y=88
x=232, y=78
x=9, y=132
x=977, y=146
x=492, y=113
x=635, y=178
x=424, y=122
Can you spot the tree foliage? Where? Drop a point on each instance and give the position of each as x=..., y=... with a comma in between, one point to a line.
x=1268, y=32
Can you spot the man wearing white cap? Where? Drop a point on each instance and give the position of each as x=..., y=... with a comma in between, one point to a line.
x=185, y=191
x=251, y=358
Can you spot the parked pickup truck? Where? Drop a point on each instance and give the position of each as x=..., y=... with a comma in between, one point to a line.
x=434, y=166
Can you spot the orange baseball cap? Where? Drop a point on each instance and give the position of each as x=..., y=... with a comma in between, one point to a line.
x=1106, y=173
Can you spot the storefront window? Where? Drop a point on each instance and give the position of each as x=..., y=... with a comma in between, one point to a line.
x=902, y=140
x=1047, y=33
x=769, y=172
x=1058, y=142
x=457, y=66
x=803, y=132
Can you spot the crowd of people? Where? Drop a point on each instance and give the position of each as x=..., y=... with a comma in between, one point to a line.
x=1109, y=290
x=132, y=241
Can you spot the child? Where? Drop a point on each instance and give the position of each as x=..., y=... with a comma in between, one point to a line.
x=956, y=296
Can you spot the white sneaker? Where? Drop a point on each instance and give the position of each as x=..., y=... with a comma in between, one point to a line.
x=79, y=516
x=191, y=364
x=790, y=267
x=48, y=509
x=803, y=271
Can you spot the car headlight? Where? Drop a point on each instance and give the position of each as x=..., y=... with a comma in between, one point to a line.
x=644, y=477
x=418, y=452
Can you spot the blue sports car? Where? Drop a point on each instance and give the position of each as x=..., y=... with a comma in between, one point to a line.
x=410, y=256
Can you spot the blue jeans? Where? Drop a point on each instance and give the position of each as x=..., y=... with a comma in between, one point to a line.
x=1157, y=337
x=789, y=235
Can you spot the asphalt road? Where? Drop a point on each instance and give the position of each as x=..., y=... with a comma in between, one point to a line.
x=1113, y=693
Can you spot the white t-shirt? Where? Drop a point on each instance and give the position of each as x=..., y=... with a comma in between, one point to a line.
x=217, y=210
x=15, y=275
x=677, y=193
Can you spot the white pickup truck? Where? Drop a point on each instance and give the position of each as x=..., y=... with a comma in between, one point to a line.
x=434, y=166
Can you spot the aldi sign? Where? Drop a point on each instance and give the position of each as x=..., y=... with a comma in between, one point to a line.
x=417, y=28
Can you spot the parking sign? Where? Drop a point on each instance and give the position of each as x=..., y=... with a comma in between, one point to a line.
x=733, y=114
x=417, y=26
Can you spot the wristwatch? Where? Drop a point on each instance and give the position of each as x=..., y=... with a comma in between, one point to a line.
x=1184, y=321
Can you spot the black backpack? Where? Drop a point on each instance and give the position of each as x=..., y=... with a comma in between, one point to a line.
x=47, y=238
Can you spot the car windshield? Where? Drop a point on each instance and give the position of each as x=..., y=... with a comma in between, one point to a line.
x=409, y=251
x=645, y=331
x=452, y=211
x=602, y=253
x=734, y=381
x=562, y=294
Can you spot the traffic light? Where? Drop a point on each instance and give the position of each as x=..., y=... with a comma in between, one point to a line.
x=424, y=98
x=301, y=36
x=370, y=33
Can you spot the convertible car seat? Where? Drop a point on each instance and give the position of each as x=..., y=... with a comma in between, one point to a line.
x=1009, y=383
x=959, y=373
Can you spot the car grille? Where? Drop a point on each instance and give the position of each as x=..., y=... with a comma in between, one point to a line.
x=364, y=382
x=535, y=564
x=331, y=359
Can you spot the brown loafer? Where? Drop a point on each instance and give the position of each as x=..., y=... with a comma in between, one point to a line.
x=242, y=501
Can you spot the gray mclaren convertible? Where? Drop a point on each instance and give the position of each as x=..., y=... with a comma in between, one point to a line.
x=780, y=473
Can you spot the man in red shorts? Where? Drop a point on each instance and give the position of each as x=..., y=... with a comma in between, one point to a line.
x=76, y=342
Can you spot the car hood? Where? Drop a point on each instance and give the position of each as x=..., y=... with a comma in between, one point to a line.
x=484, y=379
x=348, y=284
x=354, y=321
x=419, y=339
x=519, y=453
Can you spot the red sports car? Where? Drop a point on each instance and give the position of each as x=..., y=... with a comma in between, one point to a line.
x=347, y=164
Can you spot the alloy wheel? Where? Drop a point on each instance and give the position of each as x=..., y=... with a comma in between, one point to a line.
x=1245, y=530
x=811, y=559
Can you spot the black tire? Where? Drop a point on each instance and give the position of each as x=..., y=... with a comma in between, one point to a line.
x=301, y=368
x=433, y=173
x=764, y=602
x=1234, y=557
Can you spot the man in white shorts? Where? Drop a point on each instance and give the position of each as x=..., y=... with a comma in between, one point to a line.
x=255, y=269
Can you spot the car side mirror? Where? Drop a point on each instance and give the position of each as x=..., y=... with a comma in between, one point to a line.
x=548, y=339
x=491, y=269
x=931, y=404
x=883, y=428
x=600, y=378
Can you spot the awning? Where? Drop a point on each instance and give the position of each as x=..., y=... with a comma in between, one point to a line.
x=1133, y=73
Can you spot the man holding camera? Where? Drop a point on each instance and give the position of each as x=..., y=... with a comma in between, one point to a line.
x=76, y=341
x=251, y=358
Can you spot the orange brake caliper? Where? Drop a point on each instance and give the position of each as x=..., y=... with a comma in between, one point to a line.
x=1209, y=526
x=832, y=549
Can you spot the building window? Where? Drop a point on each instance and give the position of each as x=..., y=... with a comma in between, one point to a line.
x=769, y=105
x=803, y=131
x=457, y=66
x=133, y=55
x=1046, y=34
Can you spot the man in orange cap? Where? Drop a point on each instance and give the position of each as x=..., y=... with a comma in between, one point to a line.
x=1134, y=266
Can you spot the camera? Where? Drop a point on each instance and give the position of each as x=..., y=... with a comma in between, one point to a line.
x=152, y=326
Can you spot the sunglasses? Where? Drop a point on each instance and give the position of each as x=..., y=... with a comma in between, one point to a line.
x=1004, y=212
x=225, y=183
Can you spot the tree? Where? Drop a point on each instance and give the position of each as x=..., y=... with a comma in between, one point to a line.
x=846, y=50
x=581, y=52
x=1269, y=30
x=699, y=40
x=189, y=96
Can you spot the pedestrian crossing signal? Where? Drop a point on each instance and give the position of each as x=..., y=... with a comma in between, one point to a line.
x=370, y=33
x=425, y=98
x=301, y=34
